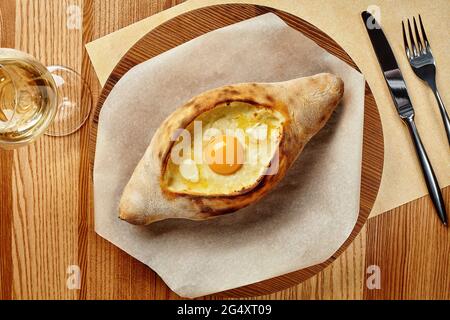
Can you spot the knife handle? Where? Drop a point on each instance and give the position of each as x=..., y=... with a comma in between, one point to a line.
x=427, y=169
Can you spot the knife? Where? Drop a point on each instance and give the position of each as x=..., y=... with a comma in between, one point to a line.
x=399, y=93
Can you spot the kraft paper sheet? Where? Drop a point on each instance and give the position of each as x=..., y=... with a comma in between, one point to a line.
x=402, y=179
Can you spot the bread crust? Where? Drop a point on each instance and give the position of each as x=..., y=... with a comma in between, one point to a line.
x=306, y=103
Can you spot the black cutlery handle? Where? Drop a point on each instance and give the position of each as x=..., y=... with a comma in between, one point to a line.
x=427, y=169
x=444, y=114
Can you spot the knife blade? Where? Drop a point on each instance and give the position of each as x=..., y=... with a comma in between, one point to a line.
x=399, y=93
x=389, y=66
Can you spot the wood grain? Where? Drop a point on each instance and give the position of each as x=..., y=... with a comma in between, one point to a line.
x=343, y=279
x=85, y=204
x=7, y=27
x=46, y=206
x=45, y=203
x=110, y=273
x=195, y=23
x=412, y=250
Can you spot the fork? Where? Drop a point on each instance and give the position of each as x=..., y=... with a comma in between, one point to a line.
x=422, y=62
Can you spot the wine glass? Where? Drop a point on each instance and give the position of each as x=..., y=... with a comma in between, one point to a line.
x=36, y=100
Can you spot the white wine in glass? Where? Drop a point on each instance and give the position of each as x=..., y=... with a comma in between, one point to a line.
x=35, y=100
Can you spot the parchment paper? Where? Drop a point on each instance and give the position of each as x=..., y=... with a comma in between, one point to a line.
x=299, y=224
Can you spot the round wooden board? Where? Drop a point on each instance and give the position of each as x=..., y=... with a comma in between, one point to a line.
x=196, y=23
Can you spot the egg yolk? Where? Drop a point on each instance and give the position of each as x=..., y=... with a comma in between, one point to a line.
x=224, y=154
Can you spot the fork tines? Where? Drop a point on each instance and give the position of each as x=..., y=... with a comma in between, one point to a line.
x=423, y=46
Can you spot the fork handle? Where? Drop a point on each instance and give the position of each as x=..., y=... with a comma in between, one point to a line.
x=444, y=114
x=427, y=169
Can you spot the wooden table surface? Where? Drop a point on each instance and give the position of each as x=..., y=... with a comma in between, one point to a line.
x=46, y=215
